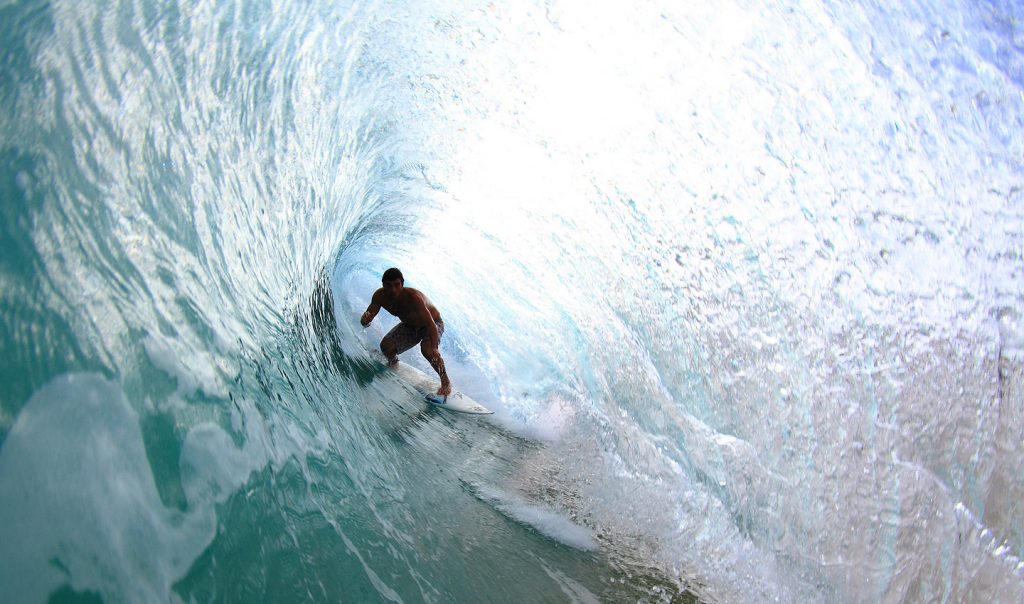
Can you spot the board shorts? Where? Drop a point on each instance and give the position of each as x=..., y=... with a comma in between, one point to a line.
x=405, y=336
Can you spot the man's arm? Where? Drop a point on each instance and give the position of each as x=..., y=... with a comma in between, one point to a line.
x=371, y=310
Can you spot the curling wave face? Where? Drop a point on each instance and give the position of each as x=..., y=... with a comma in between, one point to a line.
x=743, y=286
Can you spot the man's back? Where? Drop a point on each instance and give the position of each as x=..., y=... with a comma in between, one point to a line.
x=404, y=305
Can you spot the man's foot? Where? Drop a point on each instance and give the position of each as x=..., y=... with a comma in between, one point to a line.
x=444, y=390
x=392, y=363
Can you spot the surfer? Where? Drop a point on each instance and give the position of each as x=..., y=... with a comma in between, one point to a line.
x=420, y=323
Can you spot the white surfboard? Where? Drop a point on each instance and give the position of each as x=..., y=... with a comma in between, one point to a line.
x=427, y=386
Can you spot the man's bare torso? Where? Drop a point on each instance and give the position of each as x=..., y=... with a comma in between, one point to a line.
x=404, y=305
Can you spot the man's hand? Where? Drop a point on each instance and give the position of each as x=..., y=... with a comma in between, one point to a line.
x=371, y=311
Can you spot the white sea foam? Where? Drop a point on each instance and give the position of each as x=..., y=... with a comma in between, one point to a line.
x=193, y=371
x=79, y=505
x=546, y=521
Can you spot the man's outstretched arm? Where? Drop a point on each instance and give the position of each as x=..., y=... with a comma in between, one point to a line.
x=371, y=311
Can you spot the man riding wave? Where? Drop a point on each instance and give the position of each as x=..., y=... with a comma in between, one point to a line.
x=420, y=323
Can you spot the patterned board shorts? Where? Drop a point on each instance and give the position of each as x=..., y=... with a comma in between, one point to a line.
x=405, y=336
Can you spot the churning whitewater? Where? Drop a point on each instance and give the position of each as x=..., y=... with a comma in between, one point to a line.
x=742, y=282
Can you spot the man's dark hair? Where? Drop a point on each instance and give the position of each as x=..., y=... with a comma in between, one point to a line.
x=391, y=274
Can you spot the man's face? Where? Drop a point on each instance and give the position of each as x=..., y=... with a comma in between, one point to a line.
x=391, y=288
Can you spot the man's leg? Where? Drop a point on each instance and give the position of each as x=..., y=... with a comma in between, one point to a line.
x=390, y=351
x=402, y=337
x=433, y=356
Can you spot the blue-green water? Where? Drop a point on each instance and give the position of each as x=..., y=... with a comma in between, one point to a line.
x=742, y=282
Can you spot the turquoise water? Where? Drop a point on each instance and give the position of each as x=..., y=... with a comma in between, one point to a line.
x=742, y=283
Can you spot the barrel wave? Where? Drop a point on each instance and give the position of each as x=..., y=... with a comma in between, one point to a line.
x=743, y=284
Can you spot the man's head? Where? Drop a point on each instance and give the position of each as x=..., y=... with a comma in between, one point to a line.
x=392, y=280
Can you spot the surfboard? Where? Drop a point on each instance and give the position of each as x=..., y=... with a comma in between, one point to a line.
x=427, y=386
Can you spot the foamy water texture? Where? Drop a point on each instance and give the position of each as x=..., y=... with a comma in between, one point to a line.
x=742, y=283
x=549, y=523
x=76, y=481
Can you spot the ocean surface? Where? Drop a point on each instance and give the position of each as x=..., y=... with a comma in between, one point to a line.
x=743, y=282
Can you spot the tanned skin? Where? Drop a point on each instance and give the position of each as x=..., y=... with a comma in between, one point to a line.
x=412, y=307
